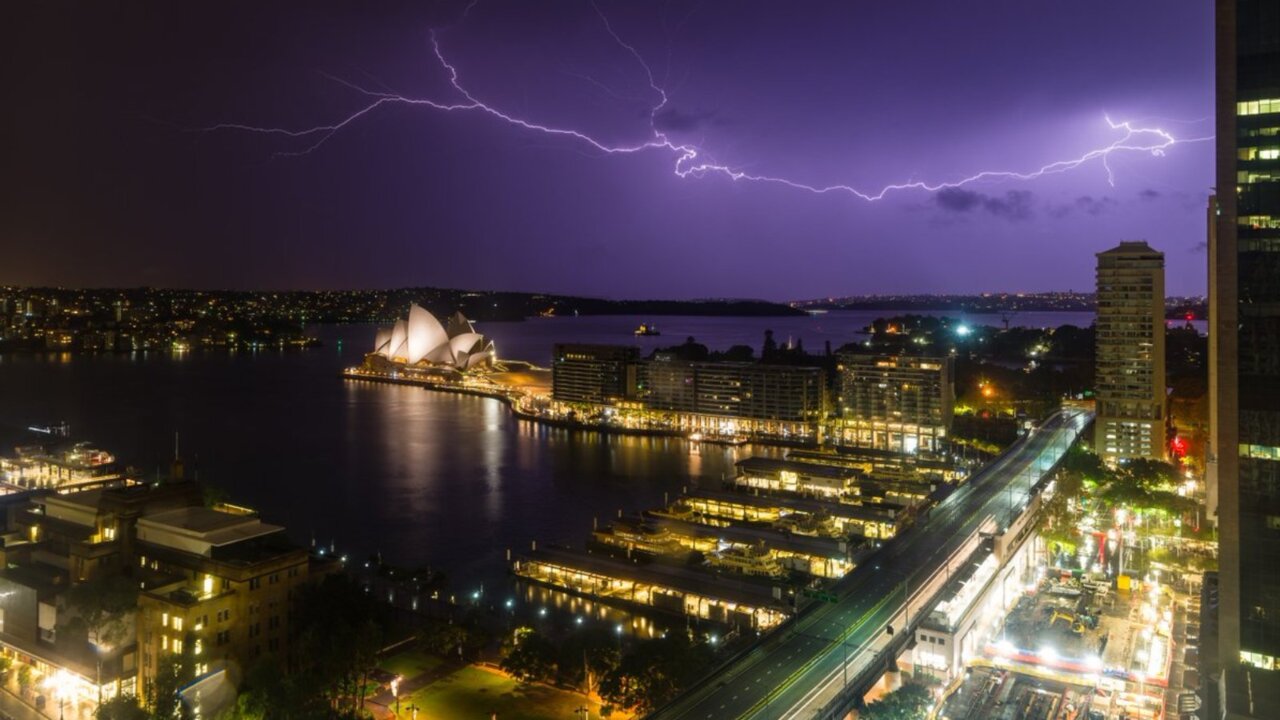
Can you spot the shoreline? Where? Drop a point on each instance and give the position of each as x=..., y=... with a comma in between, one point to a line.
x=512, y=404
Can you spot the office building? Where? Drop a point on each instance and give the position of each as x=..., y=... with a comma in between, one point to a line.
x=898, y=403
x=1130, y=379
x=594, y=374
x=1245, y=292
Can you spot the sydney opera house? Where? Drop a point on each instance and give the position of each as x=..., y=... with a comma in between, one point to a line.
x=423, y=341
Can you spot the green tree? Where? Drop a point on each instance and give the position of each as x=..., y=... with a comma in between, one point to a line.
x=105, y=605
x=341, y=629
x=173, y=671
x=531, y=657
x=655, y=671
x=120, y=707
x=586, y=657
x=909, y=702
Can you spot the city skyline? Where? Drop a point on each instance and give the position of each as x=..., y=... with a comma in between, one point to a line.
x=406, y=195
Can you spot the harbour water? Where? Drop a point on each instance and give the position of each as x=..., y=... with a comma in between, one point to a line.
x=425, y=478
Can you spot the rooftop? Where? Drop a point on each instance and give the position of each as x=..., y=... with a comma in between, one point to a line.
x=809, y=469
x=869, y=511
x=686, y=579
x=199, y=529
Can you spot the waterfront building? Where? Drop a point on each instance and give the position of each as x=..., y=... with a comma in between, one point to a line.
x=1130, y=376
x=731, y=398
x=594, y=375
x=35, y=466
x=742, y=602
x=899, y=403
x=1245, y=295
x=802, y=516
x=800, y=478
x=422, y=340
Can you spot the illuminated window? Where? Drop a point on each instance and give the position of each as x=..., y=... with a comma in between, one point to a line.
x=164, y=642
x=177, y=645
x=1258, y=107
x=1258, y=660
x=164, y=620
x=208, y=584
x=177, y=624
x=1260, y=452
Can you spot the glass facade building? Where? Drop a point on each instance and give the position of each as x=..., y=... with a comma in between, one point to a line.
x=1245, y=290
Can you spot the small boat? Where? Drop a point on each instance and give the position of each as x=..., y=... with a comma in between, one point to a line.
x=647, y=329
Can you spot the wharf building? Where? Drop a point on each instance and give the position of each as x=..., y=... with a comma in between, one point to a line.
x=736, y=555
x=1244, y=289
x=899, y=403
x=1130, y=370
x=215, y=588
x=674, y=588
x=35, y=466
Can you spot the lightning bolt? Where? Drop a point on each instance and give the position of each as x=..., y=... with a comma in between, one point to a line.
x=688, y=161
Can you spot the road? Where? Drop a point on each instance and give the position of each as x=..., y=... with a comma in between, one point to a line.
x=796, y=670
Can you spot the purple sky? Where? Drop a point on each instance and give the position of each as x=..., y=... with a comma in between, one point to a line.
x=107, y=182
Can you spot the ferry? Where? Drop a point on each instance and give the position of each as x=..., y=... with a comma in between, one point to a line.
x=647, y=329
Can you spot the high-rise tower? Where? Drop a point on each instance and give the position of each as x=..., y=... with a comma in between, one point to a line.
x=1130, y=383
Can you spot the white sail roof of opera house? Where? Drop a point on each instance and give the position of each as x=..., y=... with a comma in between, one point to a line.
x=423, y=338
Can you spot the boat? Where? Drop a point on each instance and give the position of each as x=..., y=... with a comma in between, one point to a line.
x=647, y=329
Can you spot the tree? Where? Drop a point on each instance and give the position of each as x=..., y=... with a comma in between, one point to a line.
x=340, y=630
x=909, y=702
x=445, y=638
x=586, y=657
x=173, y=671
x=120, y=707
x=531, y=656
x=24, y=678
x=106, y=605
x=655, y=671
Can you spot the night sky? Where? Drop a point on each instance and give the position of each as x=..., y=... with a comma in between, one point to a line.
x=109, y=177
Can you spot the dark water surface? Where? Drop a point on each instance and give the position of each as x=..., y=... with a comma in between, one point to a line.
x=426, y=478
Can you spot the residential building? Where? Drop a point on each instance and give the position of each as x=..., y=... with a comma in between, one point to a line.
x=215, y=584
x=735, y=397
x=584, y=374
x=1130, y=377
x=1245, y=292
x=221, y=587
x=899, y=403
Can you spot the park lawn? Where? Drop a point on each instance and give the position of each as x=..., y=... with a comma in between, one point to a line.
x=410, y=663
x=472, y=692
